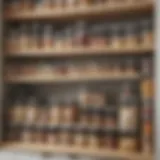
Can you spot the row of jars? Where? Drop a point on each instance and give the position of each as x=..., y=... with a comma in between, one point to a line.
x=34, y=5
x=81, y=137
x=32, y=114
x=79, y=69
x=102, y=34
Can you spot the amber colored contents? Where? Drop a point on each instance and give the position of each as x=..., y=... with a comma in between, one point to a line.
x=147, y=88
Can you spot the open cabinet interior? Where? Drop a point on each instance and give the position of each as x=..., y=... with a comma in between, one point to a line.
x=78, y=77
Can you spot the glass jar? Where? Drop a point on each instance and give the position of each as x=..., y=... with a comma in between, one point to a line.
x=128, y=113
x=80, y=34
x=12, y=40
x=146, y=32
x=65, y=136
x=96, y=120
x=31, y=111
x=116, y=34
x=130, y=67
x=27, y=135
x=68, y=40
x=131, y=38
x=34, y=42
x=128, y=144
x=14, y=5
x=109, y=141
x=93, y=140
x=52, y=136
x=59, y=4
x=23, y=36
x=70, y=3
x=54, y=115
x=38, y=134
x=18, y=113
x=80, y=137
x=47, y=40
x=110, y=122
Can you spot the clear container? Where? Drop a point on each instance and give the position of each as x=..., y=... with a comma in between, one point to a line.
x=128, y=112
x=128, y=144
x=47, y=40
x=130, y=67
x=146, y=32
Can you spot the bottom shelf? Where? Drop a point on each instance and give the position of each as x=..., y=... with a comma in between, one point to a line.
x=59, y=149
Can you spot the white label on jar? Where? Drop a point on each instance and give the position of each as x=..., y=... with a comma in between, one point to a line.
x=128, y=118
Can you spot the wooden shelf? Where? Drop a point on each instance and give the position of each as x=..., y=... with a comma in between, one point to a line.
x=61, y=79
x=67, y=52
x=77, y=12
x=59, y=149
x=69, y=79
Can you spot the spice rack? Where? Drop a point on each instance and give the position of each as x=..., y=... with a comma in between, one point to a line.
x=72, y=74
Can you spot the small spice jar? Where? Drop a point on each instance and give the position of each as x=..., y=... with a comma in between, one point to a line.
x=80, y=34
x=69, y=112
x=97, y=36
x=12, y=39
x=130, y=67
x=27, y=135
x=116, y=36
x=70, y=3
x=83, y=3
x=109, y=140
x=31, y=111
x=18, y=113
x=59, y=39
x=93, y=139
x=147, y=136
x=110, y=122
x=131, y=38
x=146, y=32
x=39, y=133
x=47, y=39
x=52, y=135
x=128, y=113
x=54, y=114
x=13, y=5
x=34, y=36
x=65, y=136
x=96, y=119
x=80, y=137
x=68, y=38
x=128, y=143
x=84, y=119
x=23, y=36
x=59, y=4
x=116, y=68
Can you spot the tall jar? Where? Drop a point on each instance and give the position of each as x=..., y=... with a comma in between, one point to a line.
x=128, y=111
x=146, y=32
x=31, y=111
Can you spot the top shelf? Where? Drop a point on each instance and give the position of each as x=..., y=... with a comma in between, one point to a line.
x=78, y=12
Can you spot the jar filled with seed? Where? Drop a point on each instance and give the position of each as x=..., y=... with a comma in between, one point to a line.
x=59, y=4
x=83, y=3
x=39, y=134
x=59, y=39
x=14, y=5
x=70, y=3
x=96, y=119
